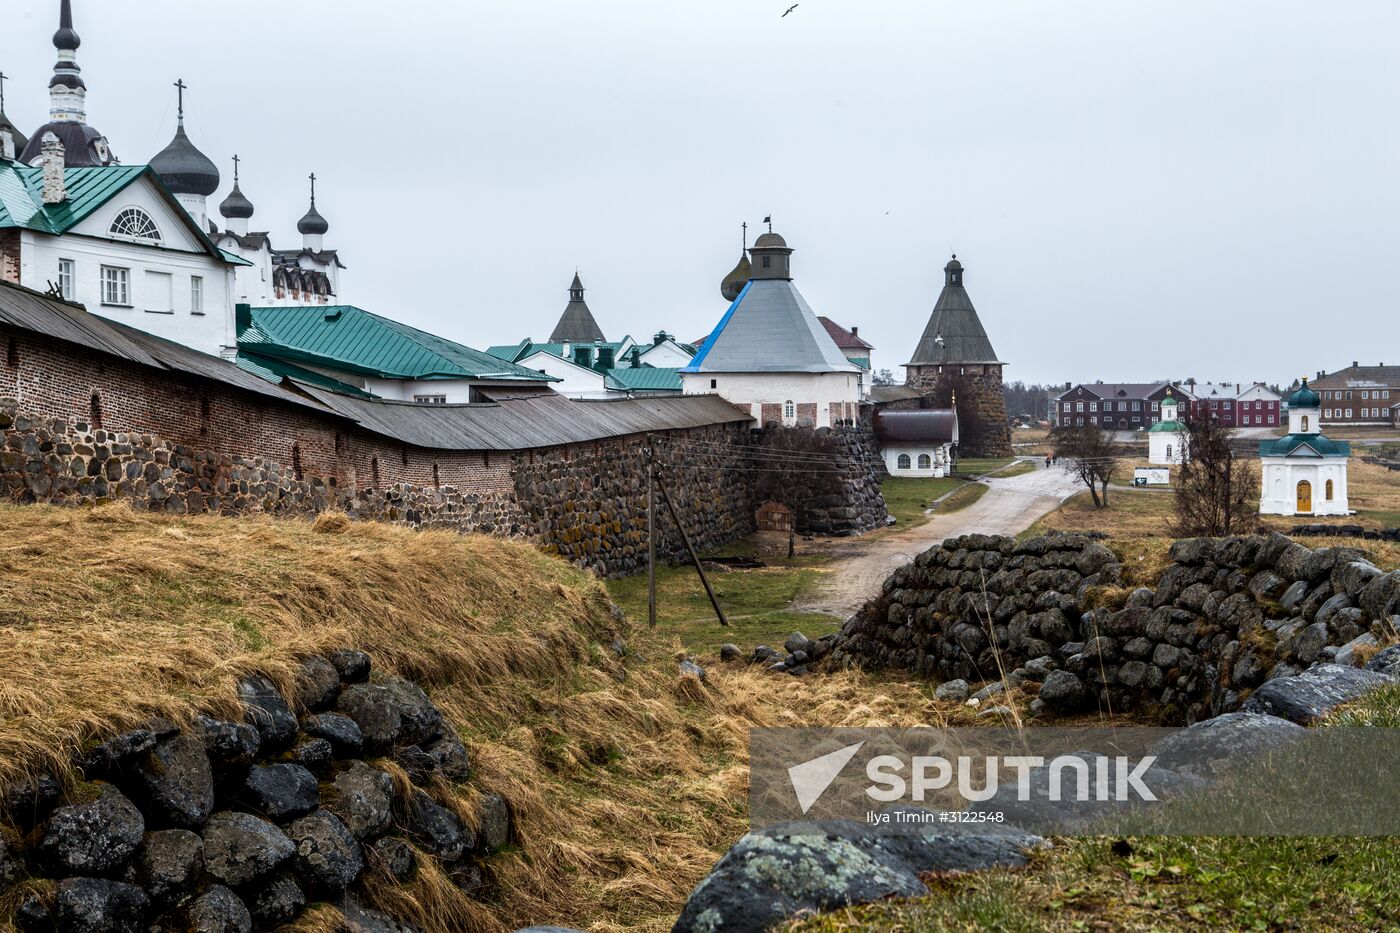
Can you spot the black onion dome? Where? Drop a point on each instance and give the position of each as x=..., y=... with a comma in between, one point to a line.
x=83, y=145
x=313, y=222
x=184, y=169
x=66, y=39
x=236, y=205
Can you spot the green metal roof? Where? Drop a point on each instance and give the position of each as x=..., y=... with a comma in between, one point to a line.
x=274, y=370
x=648, y=378
x=349, y=338
x=88, y=188
x=862, y=361
x=1176, y=427
x=1287, y=446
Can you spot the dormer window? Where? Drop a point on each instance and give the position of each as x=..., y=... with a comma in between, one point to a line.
x=135, y=224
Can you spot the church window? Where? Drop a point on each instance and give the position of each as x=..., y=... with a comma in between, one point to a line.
x=714, y=383
x=196, y=294
x=1169, y=451
x=65, y=278
x=374, y=471
x=925, y=462
x=135, y=224
x=95, y=411
x=1329, y=490
x=767, y=261
x=789, y=409
x=116, y=286
x=437, y=481
x=296, y=461
x=1305, y=422
x=12, y=352
x=904, y=461
x=430, y=399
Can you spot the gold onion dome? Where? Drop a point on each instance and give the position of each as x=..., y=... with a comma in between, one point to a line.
x=735, y=281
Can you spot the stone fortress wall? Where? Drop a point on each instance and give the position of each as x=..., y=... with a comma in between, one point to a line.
x=1229, y=623
x=80, y=428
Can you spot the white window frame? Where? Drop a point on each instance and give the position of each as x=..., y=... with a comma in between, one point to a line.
x=128, y=216
x=903, y=462
x=67, y=273
x=789, y=408
x=116, y=286
x=196, y=294
x=430, y=399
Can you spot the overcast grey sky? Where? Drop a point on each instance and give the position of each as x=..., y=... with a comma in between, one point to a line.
x=1196, y=188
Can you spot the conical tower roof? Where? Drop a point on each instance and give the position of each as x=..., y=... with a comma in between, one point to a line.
x=576, y=325
x=954, y=334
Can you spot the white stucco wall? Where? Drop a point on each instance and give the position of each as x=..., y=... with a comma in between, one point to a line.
x=665, y=356
x=179, y=255
x=577, y=382
x=1165, y=448
x=940, y=458
x=758, y=389
x=1283, y=474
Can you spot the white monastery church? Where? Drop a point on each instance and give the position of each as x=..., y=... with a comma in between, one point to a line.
x=1305, y=473
x=770, y=352
x=1166, y=440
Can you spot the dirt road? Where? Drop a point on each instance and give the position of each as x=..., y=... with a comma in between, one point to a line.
x=1010, y=506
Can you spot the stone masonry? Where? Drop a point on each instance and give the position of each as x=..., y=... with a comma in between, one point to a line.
x=1227, y=617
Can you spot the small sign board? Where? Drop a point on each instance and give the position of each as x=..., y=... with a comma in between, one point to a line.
x=1152, y=476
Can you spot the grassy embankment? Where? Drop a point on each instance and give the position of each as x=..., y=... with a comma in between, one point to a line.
x=626, y=780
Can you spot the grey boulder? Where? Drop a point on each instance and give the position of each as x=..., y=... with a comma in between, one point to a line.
x=95, y=837
x=217, y=910
x=175, y=783
x=1386, y=661
x=363, y=798
x=318, y=684
x=328, y=859
x=340, y=730
x=275, y=902
x=1063, y=692
x=437, y=829
x=1214, y=744
x=266, y=711
x=1315, y=692
x=169, y=863
x=765, y=879
x=352, y=666
x=392, y=856
x=281, y=791
x=240, y=848
x=494, y=829
x=97, y=905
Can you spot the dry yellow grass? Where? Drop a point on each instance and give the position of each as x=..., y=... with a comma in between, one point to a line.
x=626, y=780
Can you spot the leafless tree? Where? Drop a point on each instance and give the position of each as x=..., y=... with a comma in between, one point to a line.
x=1217, y=492
x=1087, y=453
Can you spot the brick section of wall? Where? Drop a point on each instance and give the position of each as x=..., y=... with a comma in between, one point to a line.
x=807, y=414
x=772, y=415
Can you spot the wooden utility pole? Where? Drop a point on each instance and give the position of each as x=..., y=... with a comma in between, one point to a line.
x=695, y=558
x=651, y=532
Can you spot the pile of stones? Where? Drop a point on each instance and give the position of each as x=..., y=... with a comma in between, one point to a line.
x=1227, y=617
x=237, y=825
x=799, y=655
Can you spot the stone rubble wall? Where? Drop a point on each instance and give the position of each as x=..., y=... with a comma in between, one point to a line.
x=1227, y=616
x=829, y=477
x=983, y=428
x=240, y=825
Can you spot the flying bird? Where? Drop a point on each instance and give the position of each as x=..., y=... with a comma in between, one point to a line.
x=789, y=10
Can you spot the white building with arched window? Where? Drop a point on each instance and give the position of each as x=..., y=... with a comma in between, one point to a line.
x=918, y=443
x=1166, y=440
x=1305, y=473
